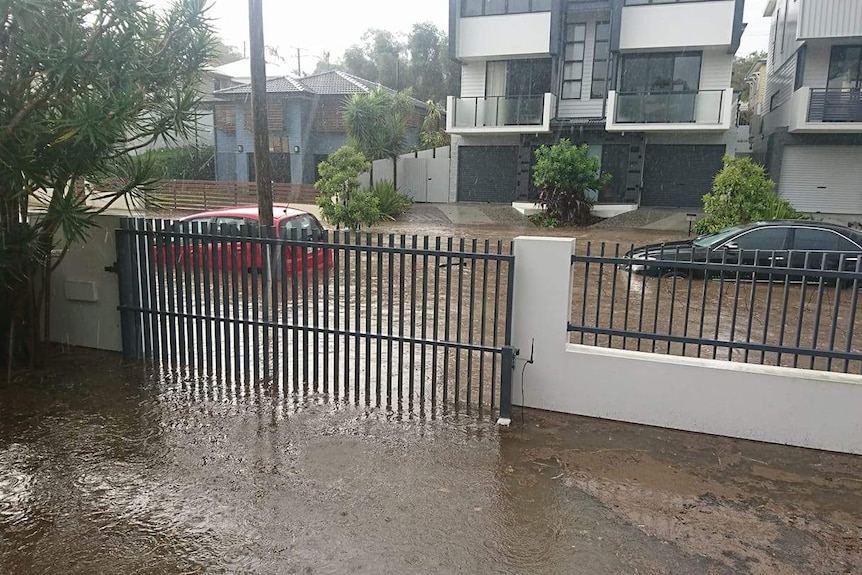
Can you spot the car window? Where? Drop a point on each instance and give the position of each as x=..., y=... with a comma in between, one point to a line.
x=769, y=238
x=812, y=239
x=303, y=226
x=189, y=225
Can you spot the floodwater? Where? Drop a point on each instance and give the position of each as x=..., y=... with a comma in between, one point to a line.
x=109, y=469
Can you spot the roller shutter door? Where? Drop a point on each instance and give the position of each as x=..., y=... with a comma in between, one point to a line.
x=487, y=173
x=677, y=176
x=826, y=179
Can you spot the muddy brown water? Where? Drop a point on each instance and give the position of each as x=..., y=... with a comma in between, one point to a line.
x=108, y=468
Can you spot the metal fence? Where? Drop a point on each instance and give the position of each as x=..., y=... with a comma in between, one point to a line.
x=793, y=309
x=392, y=321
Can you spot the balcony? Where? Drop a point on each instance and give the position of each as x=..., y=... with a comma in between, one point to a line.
x=694, y=111
x=500, y=114
x=821, y=110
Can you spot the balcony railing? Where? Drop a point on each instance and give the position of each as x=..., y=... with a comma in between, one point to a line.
x=666, y=107
x=499, y=111
x=835, y=105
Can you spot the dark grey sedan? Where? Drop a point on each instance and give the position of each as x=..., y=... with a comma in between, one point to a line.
x=795, y=244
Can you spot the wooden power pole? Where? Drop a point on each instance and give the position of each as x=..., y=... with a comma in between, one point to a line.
x=262, y=164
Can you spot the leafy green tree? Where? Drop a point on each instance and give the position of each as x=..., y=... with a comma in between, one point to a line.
x=380, y=58
x=184, y=163
x=564, y=173
x=84, y=84
x=742, y=193
x=377, y=124
x=341, y=202
x=433, y=134
x=429, y=53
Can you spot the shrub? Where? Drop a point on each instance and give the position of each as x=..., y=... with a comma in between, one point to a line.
x=392, y=203
x=564, y=173
x=742, y=193
x=185, y=163
x=341, y=201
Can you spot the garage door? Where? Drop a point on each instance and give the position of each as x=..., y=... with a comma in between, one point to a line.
x=825, y=179
x=487, y=173
x=678, y=176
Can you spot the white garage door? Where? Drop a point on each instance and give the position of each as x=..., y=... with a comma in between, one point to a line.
x=826, y=179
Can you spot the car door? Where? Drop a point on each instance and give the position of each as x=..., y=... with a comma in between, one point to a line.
x=182, y=247
x=303, y=228
x=230, y=226
x=765, y=246
x=817, y=249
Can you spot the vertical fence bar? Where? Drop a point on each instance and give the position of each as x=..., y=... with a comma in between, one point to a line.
x=294, y=306
x=835, y=308
x=401, y=270
x=507, y=368
x=196, y=249
x=369, y=313
x=215, y=300
x=460, y=302
x=275, y=264
x=175, y=281
x=751, y=303
x=284, y=257
x=496, y=324
x=264, y=275
x=303, y=262
x=206, y=257
x=436, y=323
x=327, y=252
x=599, y=284
x=641, y=306
x=379, y=324
x=586, y=292
x=412, y=363
x=144, y=277
x=336, y=300
x=690, y=280
x=628, y=294
x=389, y=315
x=424, y=331
x=447, y=316
x=657, y=300
x=237, y=273
x=315, y=309
x=357, y=318
x=614, y=268
x=784, y=302
x=816, y=332
x=735, y=306
x=188, y=309
x=158, y=252
x=673, y=280
x=227, y=288
x=802, y=292
x=851, y=325
x=769, y=287
x=471, y=323
x=719, y=306
x=254, y=244
x=482, y=322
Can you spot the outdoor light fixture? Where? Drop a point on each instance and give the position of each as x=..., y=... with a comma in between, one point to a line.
x=296, y=149
x=239, y=149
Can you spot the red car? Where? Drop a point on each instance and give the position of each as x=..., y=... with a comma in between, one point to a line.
x=232, y=222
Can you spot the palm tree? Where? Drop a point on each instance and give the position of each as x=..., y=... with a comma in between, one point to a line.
x=377, y=124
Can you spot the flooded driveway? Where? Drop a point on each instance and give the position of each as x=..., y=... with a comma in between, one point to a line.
x=109, y=469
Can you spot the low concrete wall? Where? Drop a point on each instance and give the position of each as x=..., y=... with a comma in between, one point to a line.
x=84, y=297
x=764, y=403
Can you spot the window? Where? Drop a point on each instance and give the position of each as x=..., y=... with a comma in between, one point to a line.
x=769, y=239
x=601, y=55
x=811, y=239
x=573, y=68
x=845, y=68
x=773, y=101
x=301, y=227
x=522, y=77
x=677, y=72
x=799, y=79
x=495, y=7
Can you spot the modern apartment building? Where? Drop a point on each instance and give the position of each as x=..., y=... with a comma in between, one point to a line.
x=646, y=83
x=809, y=133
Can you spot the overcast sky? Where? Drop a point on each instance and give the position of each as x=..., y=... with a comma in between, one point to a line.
x=334, y=25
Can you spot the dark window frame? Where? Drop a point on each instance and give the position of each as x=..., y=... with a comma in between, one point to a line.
x=773, y=101
x=582, y=61
x=606, y=61
x=532, y=9
x=648, y=55
x=799, y=75
x=832, y=51
x=532, y=63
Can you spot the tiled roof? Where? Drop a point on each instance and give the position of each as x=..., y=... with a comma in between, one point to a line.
x=332, y=83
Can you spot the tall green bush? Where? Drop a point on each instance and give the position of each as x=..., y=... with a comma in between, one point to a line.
x=742, y=193
x=341, y=202
x=564, y=173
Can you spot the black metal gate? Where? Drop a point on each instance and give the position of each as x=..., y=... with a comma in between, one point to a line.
x=392, y=321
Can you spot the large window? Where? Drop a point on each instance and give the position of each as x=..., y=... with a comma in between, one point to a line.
x=518, y=77
x=601, y=55
x=845, y=68
x=670, y=72
x=573, y=68
x=495, y=7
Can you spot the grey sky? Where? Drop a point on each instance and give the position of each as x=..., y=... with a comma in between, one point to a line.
x=334, y=25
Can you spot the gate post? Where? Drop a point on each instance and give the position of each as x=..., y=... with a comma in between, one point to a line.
x=508, y=370
x=130, y=296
